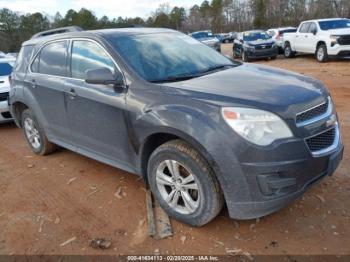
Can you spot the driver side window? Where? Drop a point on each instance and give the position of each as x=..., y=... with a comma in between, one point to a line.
x=88, y=55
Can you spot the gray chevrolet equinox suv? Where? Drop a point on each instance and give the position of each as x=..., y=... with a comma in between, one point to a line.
x=201, y=129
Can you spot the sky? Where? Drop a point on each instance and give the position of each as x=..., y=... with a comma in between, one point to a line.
x=111, y=8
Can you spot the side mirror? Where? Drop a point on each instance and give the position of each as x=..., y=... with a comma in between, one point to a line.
x=314, y=31
x=241, y=40
x=103, y=76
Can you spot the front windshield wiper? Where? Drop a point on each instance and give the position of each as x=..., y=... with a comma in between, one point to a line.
x=175, y=78
x=187, y=76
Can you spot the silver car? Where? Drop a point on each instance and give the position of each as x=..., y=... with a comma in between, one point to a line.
x=6, y=65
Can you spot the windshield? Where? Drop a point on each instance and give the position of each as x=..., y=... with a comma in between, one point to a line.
x=157, y=57
x=5, y=69
x=334, y=24
x=253, y=36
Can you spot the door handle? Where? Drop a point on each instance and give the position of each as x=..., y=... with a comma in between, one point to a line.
x=306, y=36
x=33, y=82
x=72, y=94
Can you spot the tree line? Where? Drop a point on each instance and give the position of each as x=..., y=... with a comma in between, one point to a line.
x=217, y=15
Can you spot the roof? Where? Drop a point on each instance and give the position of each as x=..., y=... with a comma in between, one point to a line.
x=105, y=33
x=325, y=19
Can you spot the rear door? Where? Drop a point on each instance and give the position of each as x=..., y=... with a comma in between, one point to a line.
x=96, y=113
x=301, y=37
x=46, y=83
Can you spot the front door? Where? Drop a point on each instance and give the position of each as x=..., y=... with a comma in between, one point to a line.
x=96, y=112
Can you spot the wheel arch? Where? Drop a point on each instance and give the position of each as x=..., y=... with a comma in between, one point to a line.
x=17, y=108
x=154, y=140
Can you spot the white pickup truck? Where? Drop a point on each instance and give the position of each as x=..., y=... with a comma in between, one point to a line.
x=323, y=37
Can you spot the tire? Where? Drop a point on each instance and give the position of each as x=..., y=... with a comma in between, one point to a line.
x=226, y=41
x=206, y=201
x=35, y=134
x=245, y=57
x=288, y=53
x=321, y=53
x=235, y=53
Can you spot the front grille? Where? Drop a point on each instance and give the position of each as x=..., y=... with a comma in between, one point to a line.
x=312, y=113
x=6, y=115
x=321, y=141
x=344, y=40
x=3, y=96
x=263, y=47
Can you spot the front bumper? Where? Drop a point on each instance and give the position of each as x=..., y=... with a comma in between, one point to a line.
x=262, y=53
x=281, y=183
x=4, y=112
x=258, y=181
x=339, y=50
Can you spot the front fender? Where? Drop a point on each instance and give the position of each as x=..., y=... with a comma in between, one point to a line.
x=202, y=130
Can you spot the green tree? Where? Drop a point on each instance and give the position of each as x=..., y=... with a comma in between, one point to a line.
x=177, y=17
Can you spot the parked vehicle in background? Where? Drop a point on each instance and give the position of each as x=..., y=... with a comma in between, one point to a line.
x=200, y=128
x=277, y=35
x=6, y=65
x=14, y=54
x=229, y=38
x=323, y=37
x=254, y=45
x=207, y=38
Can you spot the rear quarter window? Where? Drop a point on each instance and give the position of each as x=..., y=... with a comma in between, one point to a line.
x=23, y=59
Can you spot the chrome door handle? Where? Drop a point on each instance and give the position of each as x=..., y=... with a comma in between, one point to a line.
x=33, y=82
x=72, y=94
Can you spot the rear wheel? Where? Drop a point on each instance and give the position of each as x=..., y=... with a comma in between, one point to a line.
x=321, y=53
x=288, y=52
x=35, y=135
x=184, y=184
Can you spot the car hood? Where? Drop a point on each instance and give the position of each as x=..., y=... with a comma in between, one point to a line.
x=256, y=86
x=341, y=31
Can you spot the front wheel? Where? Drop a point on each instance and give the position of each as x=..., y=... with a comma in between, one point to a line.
x=245, y=57
x=321, y=53
x=184, y=183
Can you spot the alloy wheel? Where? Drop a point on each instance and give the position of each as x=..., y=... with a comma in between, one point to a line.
x=32, y=133
x=178, y=187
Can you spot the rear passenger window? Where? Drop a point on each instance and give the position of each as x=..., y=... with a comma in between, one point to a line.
x=53, y=59
x=88, y=55
x=304, y=28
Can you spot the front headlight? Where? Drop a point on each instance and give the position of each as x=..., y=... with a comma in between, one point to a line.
x=250, y=48
x=257, y=126
x=334, y=38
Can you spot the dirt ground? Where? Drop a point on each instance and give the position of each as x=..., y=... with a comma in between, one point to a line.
x=46, y=201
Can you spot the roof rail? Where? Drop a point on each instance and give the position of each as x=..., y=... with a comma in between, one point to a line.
x=60, y=30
